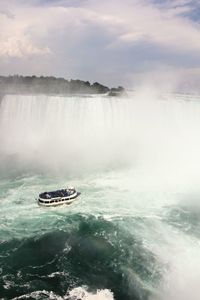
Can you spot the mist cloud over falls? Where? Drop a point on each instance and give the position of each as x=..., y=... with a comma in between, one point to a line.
x=75, y=134
x=60, y=133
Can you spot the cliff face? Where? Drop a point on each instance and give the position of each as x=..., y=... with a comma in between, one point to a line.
x=48, y=85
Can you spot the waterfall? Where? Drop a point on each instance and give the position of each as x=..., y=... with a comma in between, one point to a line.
x=78, y=133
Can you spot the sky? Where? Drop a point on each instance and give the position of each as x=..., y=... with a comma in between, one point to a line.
x=113, y=42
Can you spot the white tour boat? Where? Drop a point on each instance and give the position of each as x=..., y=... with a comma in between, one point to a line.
x=64, y=196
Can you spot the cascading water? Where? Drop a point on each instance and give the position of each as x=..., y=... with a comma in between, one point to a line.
x=134, y=233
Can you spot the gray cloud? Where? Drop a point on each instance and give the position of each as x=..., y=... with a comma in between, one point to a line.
x=108, y=41
x=7, y=13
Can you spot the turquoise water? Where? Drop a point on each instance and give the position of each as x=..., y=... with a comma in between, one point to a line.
x=134, y=231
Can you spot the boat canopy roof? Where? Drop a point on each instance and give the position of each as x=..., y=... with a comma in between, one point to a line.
x=57, y=194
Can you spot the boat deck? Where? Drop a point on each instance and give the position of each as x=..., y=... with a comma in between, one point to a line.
x=57, y=194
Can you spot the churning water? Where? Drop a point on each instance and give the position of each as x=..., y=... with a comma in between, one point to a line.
x=135, y=231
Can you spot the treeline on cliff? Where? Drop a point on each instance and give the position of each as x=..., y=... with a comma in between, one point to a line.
x=17, y=84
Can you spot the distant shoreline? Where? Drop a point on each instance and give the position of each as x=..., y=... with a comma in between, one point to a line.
x=49, y=85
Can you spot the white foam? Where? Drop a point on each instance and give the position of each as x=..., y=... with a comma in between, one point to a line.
x=81, y=293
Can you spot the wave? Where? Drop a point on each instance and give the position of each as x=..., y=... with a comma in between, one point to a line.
x=90, y=252
x=79, y=293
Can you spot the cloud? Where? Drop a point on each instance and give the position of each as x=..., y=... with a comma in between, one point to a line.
x=7, y=13
x=100, y=40
x=139, y=21
x=15, y=40
x=20, y=47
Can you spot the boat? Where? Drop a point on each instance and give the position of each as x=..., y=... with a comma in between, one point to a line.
x=59, y=197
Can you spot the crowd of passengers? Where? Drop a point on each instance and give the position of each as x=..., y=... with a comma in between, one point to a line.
x=55, y=194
